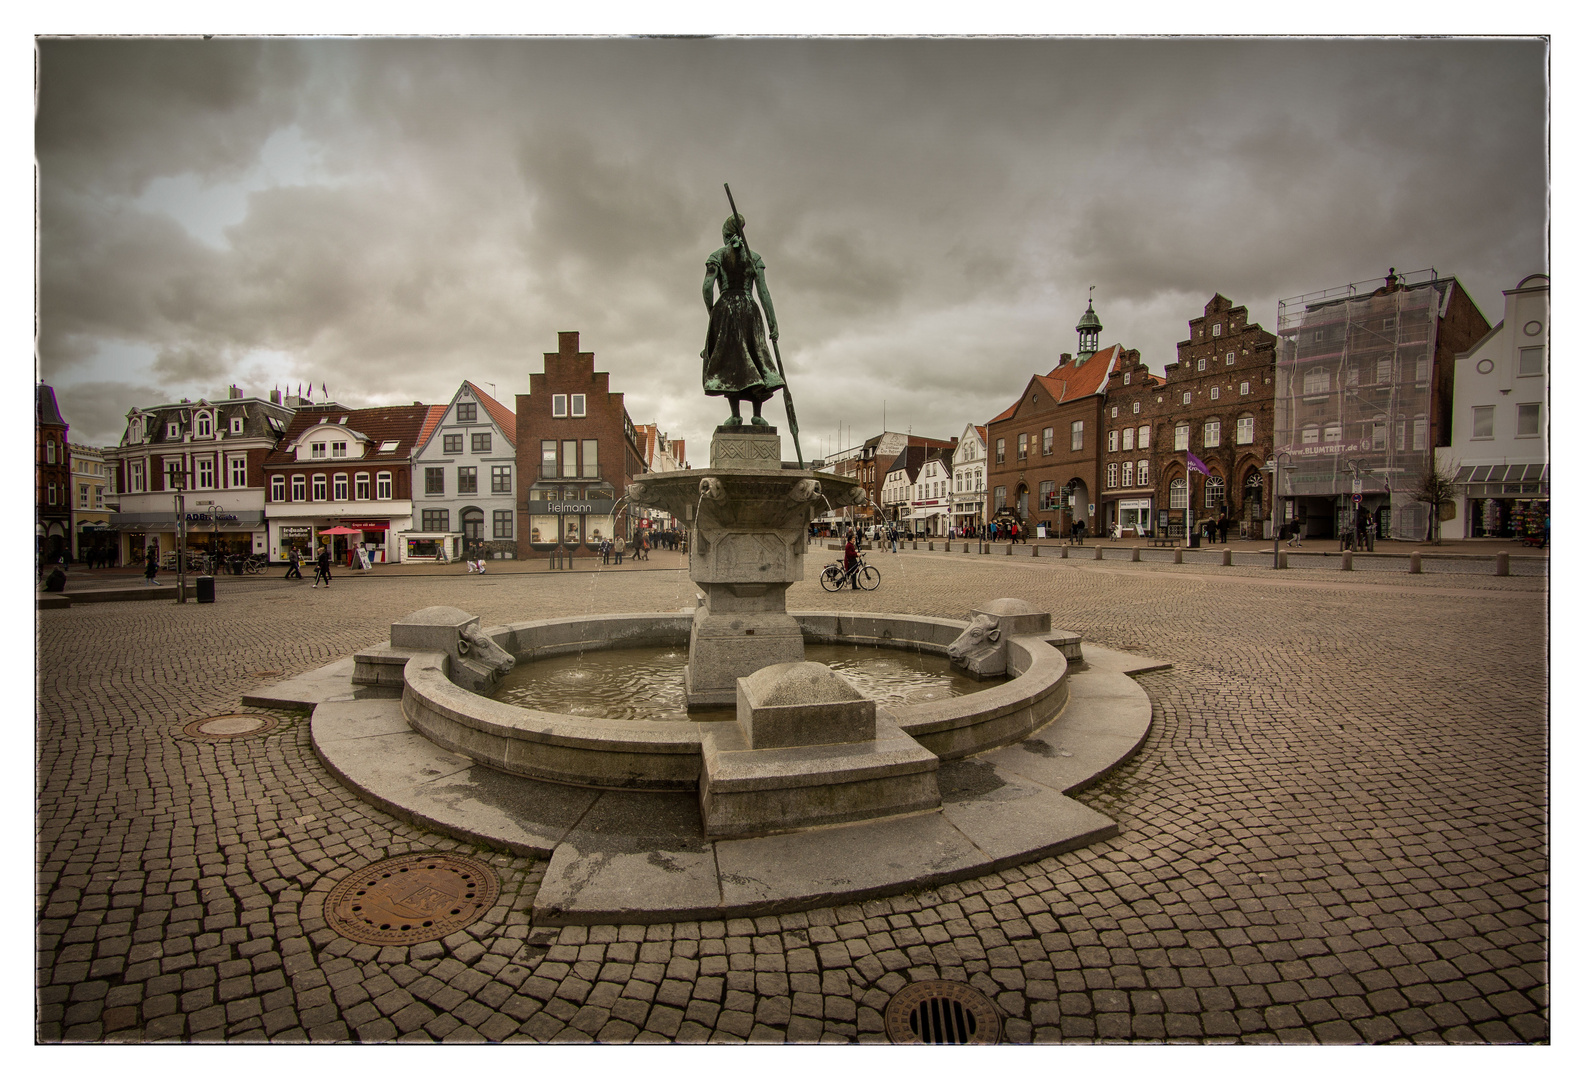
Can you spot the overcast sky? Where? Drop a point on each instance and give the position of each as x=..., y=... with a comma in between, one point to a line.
x=391, y=217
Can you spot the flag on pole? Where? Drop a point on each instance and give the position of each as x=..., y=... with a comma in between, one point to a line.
x=1197, y=466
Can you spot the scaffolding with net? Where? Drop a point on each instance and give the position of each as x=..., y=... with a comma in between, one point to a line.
x=1354, y=394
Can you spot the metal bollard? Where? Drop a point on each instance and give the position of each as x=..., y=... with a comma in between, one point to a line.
x=1414, y=562
x=1177, y=555
x=1348, y=560
x=1227, y=556
x=1135, y=557
x=1097, y=553
x=1502, y=564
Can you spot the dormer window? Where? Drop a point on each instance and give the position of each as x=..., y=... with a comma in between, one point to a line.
x=386, y=447
x=206, y=426
x=316, y=449
x=338, y=449
x=236, y=425
x=173, y=430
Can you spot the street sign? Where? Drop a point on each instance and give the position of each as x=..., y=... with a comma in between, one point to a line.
x=1359, y=485
x=1356, y=498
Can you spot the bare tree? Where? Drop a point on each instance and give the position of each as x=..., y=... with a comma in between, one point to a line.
x=1435, y=486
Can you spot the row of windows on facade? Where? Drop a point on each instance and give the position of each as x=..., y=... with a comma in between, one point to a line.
x=1188, y=397
x=468, y=480
x=560, y=458
x=1318, y=380
x=204, y=474
x=1528, y=426
x=472, y=521
x=203, y=426
x=1047, y=442
x=55, y=494
x=1050, y=497
x=933, y=490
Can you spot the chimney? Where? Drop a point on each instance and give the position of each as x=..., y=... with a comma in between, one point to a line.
x=1066, y=358
x=275, y=397
x=233, y=392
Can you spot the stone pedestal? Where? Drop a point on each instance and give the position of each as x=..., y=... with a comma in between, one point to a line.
x=808, y=750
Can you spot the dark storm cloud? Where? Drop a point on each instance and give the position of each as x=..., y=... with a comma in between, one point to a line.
x=932, y=212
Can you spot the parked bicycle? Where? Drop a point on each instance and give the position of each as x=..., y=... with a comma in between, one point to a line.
x=835, y=576
x=255, y=564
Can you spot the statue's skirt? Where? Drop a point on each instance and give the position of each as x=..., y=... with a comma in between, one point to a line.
x=737, y=362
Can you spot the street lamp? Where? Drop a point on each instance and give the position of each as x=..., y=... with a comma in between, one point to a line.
x=178, y=481
x=214, y=554
x=1274, y=466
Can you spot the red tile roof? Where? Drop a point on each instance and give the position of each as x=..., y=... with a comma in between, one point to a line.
x=1072, y=380
x=431, y=422
x=504, y=418
x=403, y=423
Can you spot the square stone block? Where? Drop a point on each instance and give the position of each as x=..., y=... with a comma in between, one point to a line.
x=745, y=449
x=802, y=704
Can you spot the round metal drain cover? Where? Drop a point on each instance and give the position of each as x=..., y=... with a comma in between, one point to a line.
x=230, y=726
x=938, y=1011
x=411, y=898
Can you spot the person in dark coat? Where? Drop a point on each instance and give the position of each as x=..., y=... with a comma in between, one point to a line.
x=322, y=567
x=151, y=567
x=295, y=568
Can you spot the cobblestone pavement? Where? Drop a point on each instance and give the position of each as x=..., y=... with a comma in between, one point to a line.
x=1335, y=832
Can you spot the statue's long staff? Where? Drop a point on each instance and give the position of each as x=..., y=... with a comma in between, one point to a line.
x=786, y=391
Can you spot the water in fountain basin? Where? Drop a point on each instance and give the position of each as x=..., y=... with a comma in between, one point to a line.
x=647, y=684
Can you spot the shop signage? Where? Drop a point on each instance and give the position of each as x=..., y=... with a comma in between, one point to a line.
x=368, y=525
x=296, y=532
x=587, y=506
x=206, y=517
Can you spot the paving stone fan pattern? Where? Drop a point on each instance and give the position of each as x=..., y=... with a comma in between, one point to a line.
x=1334, y=833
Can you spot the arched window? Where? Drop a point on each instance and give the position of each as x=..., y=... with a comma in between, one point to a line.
x=1178, y=495
x=1215, y=492
x=1252, y=489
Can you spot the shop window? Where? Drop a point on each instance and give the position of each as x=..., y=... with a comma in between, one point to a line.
x=299, y=489
x=503, y=524
x=382, y=486
x=339, y=487
x=467, y=412
x=1483, y=422
x=277, y=489
x=1244, y=434
x=1077, y=435
x=319, y=488
x=360, y=487
x=481, y=442
x=435, y=521
x=1529, y=422
x=1530, y=361
x=591, y=459
x=434, y=481
x=451, y=444
x=467, y=480
x=500, y=479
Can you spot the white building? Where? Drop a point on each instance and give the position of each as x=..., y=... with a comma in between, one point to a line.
x=931, y=507
x=465, y=488
x=1498, y=457
x=968, y=479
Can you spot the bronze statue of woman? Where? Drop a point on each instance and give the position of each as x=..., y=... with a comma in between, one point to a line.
x=737, y=362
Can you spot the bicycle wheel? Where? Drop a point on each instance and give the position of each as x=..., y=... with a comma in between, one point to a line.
x=869, y=577
x=831, y=579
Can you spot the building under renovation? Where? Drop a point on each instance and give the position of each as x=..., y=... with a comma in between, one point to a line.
x=1364, y=395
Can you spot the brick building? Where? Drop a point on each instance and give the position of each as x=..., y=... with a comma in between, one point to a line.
x=52, y=477
x=577, y=448
x=1045, y=448
x=215, y=451
x=352, y=469
x=1215, y=399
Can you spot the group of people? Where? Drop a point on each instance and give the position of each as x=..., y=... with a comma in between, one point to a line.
x=612, y=551
x=294, y=566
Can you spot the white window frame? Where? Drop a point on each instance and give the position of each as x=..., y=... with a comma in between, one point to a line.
x=1216, y=393
x=204, y=425
x=1188, y=397
x=338, y=449
x=558, y=405
x=382, y=486
x=1483, y=416
x=1136, y=408
x=1111, y=475
x=236, y=464
x=236, y=425
x=277, y=488
x=1212, y=435
x=1519, y=431
x=316, y=450
x=319, y=488
x=360, y=487
x=1076, y=435
x=299, y=488
x=1200, y=366
x=338, y=487
x=1128, y=474
x=1244, y=431
x=1111, y=442
x=1243, y=389
x=1216, y=331
x=580, y=405
x=1144, y=436
x=1142, y=474
x=1230, y=358
x=1539, y=356
x=1128, y=438
x=206, y=474
x=1180, y=435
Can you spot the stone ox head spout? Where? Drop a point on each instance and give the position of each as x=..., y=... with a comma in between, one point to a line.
x=478, y=647
x=982, y=649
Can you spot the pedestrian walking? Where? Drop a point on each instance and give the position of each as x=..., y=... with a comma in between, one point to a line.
x=619, y=545
x=322, y=567
x=294, y=568
x=151, y=567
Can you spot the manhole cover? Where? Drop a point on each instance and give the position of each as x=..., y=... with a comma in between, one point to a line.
x=230, y=726
x=411, y=898
x=937, y=1011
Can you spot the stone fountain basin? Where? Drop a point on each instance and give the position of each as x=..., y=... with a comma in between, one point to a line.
x=667, y=755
